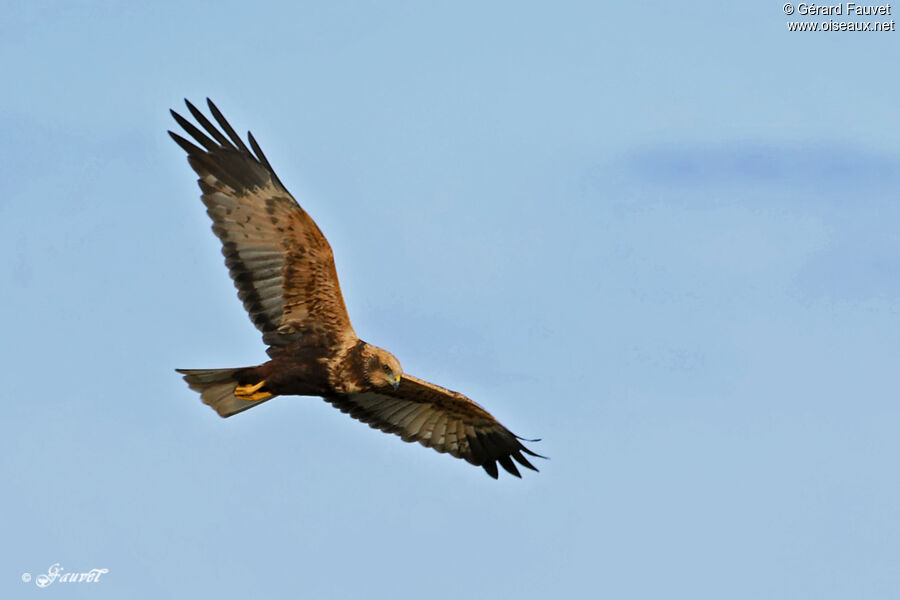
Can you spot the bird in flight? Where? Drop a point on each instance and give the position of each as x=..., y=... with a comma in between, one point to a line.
x=284, y=272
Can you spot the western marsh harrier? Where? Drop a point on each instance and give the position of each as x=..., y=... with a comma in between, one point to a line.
x=284, y=271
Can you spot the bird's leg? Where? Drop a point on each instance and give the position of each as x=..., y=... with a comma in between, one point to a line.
x=251, y=393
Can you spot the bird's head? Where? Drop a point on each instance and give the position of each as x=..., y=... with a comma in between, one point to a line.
x=382, y=368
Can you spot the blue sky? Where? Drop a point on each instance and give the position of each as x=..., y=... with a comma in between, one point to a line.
x=660, y=237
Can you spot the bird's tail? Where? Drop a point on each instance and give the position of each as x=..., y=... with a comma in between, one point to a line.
x=228, y=391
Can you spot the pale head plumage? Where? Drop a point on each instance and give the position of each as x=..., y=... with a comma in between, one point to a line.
x=381, y=368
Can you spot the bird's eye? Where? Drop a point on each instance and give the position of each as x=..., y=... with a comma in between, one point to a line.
x=386, y=369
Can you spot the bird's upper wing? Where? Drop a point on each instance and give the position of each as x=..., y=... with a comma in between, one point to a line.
x=280, y=262
x=438, y=418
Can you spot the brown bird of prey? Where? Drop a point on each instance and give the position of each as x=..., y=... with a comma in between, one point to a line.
x=284, y=272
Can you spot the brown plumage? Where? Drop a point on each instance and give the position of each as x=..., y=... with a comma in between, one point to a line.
x=284, y=271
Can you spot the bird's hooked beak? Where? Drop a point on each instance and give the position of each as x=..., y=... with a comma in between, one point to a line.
x=396, y=382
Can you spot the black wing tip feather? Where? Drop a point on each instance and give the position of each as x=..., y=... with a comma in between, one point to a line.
x=232, y=142
x=527, y=451
x=188, y=147
x=507, y=463
x=262, y=157
x=208, y=126
x=212, y=105
x=506, y=458
x=226, y=127
x=221, y=150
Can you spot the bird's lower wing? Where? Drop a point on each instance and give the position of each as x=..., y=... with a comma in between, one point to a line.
x=439, y=418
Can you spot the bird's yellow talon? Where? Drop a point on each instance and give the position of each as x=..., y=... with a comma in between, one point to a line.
x=249, y=393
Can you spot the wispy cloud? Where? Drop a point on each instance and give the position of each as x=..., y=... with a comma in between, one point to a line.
x=768, y=197
x=816, y=166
